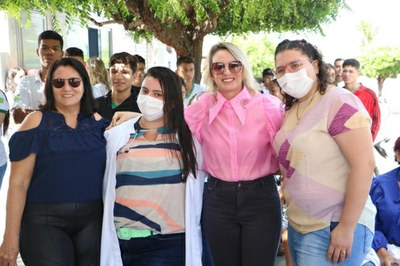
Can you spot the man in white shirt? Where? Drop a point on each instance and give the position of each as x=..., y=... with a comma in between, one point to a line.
x=29, y=95
x=185, y=69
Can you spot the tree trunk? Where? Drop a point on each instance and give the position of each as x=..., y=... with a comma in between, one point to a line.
x=196, y=52
x=187, y=40
x=192, y=47
x=380, y=84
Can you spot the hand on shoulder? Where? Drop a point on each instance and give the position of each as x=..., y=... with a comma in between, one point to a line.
x=120, y=117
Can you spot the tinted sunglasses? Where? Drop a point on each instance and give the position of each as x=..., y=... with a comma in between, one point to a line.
x=218, y=68
x=59, y=83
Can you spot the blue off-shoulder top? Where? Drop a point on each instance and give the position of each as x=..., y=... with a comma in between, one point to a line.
x=70, y=162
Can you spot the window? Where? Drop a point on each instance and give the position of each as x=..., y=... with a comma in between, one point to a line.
x=100, y=43
x=28, y=40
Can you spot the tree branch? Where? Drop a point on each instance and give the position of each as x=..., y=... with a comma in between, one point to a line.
x=100, y=24
x=166, y=34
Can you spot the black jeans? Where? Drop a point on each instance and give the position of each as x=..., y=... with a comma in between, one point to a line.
x=67, y=234
x=242, y=221
x=155, y=250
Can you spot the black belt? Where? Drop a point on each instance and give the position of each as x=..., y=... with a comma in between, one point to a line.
x=214, y=181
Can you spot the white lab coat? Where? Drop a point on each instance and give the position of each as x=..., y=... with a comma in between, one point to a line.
x=117, y=137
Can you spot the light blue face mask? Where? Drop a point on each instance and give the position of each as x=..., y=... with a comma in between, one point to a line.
x=296, y=84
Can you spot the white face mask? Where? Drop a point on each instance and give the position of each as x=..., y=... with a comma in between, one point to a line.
x=296, y=84
x=151, y=108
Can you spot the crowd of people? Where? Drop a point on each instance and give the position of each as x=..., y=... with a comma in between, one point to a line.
x=128, y=166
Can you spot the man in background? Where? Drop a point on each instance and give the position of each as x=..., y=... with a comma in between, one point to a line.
x=122, y=96
x=76, y=53
x=29, y=95
x=351, y=73
x=267, y=77
x=185, y=69
x=139, y=76
x=338, y=64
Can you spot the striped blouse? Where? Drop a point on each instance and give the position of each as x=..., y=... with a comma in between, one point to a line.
x=150, y=191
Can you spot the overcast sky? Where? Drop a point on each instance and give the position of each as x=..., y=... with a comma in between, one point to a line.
x=343, y=37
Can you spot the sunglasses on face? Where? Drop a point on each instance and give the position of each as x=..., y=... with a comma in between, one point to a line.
x=218, y=68
x=59, y=83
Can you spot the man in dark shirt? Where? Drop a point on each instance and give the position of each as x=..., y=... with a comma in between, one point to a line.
x=122, y=97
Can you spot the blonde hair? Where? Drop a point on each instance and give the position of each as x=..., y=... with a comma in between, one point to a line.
x=248, y=79
x=97, y=71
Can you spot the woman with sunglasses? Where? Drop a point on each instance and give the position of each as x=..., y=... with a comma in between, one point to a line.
x=235, y=126
x=58, y=157
x=325, y=153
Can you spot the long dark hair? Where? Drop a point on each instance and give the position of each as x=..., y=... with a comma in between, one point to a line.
x=88, y=102
x=174, y=115
x=312, y=53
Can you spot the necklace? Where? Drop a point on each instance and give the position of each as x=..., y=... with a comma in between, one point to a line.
x=129, y=145
x=308, y=101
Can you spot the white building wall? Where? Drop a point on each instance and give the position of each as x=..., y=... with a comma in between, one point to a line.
x=5, y=52
x=155, y=53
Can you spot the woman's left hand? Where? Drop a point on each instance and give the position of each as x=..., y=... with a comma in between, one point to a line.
x=340, y=246
x=120, y=117
x=360, y=158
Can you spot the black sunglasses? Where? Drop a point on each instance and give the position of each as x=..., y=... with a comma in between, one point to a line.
x=218, y=68
x=59, y=83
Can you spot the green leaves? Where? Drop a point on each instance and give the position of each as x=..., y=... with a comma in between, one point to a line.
x=233, y=16
x=183, y=24
x=258, y=49
x=381, y=61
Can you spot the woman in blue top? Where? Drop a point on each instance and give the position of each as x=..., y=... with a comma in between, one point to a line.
x=385, y=194
x=54, y=205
